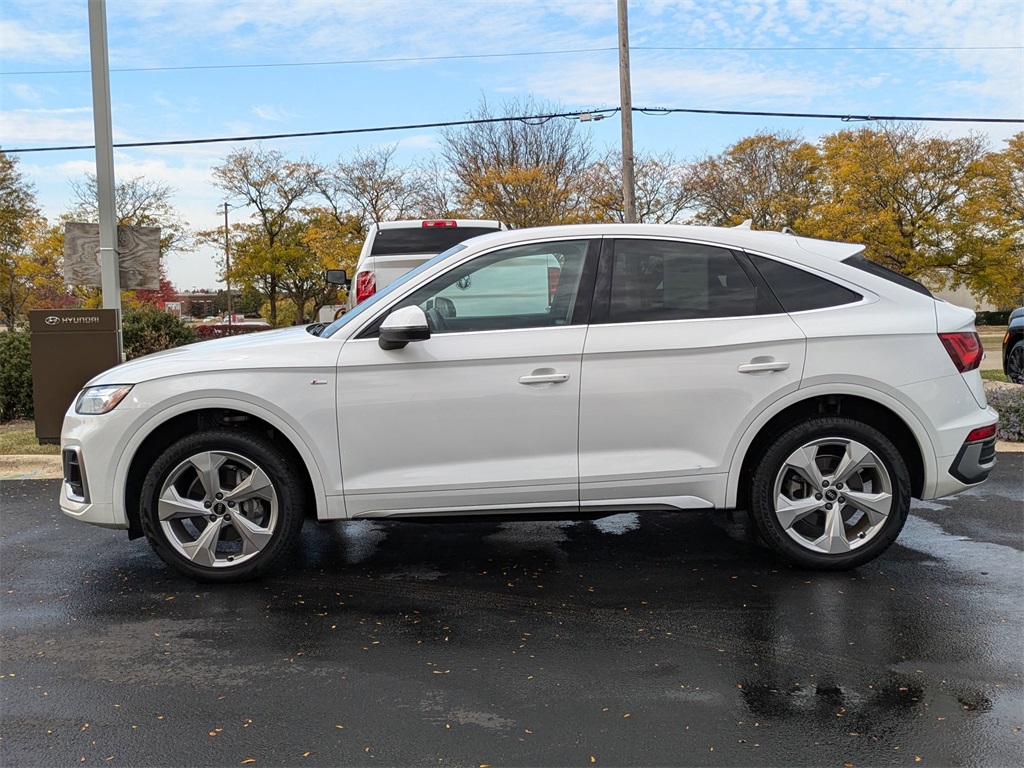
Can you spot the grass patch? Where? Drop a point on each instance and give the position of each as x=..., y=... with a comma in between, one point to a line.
x=994, y=375
x=18, y=442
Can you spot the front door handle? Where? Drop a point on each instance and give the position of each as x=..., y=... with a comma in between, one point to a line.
x=766, y=367
x=544, y=378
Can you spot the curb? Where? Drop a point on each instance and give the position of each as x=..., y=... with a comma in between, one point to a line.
x=50, y=467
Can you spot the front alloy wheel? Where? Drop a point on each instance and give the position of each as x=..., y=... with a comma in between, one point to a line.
x=831, y=493
x=221, y=505
x=218, y=509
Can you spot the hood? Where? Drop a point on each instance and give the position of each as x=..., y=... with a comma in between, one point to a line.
x=285, y=348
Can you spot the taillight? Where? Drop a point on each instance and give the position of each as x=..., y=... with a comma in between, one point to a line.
x=366, y=286
x=964, y=349
x=981, y=433
x=553, y=274
x=440, y=223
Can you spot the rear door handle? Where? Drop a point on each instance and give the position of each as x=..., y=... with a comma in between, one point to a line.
x=544, y=378
x=769, y=367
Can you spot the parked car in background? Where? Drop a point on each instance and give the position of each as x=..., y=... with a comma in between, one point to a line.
x=1013, y=347
x=581, y=370
x=222, y=327
x=392, y=248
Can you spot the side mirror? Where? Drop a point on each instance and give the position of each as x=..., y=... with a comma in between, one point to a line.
x=402, y=326
x=337, y=277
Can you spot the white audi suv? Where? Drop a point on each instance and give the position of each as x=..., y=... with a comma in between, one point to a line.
x=578, y=371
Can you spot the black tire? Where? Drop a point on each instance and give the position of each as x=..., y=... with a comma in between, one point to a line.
x=236, y=535
x=1015, y=363
x=821, y=518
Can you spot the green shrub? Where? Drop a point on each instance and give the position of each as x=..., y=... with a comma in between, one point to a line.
x=15, y=376
x=1009, y=402
x=151, y=330
x=992, y=318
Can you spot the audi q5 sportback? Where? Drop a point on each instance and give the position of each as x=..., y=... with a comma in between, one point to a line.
x=579, y=371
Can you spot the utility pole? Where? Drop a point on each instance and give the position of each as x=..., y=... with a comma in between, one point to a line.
x=227, y=265
x=110, y=276
x=626, y=112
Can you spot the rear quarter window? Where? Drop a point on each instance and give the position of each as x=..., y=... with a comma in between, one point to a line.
x=798, y=290
x=862, y=262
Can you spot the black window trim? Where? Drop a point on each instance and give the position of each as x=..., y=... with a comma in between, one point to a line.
x=860, y=261
x=581, y=309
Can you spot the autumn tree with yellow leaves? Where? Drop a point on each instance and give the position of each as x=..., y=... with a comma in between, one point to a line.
x=925, y=205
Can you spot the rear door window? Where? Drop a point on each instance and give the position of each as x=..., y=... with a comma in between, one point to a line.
x=670, y=280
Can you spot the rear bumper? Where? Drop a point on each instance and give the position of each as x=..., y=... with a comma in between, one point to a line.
x=974, y=462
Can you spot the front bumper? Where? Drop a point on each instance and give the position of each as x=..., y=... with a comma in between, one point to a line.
x=91, y=449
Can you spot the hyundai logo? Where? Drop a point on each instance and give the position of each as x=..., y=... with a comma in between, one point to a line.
x=52, y=320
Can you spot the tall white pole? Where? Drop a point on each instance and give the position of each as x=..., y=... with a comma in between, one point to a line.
x=626, y=103
x=227, y=265
x=110, y=276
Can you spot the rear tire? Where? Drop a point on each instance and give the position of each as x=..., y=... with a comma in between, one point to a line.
x=830, y=493
x=1015, y=363
x=221, y=505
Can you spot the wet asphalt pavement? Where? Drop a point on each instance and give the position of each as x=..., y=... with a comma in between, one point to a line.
x=662, y=641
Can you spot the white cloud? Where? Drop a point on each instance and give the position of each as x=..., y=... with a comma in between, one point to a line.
x=274, y=114
x=23, y=127
x=26, y=44
x=419, y=141
x=25, y=92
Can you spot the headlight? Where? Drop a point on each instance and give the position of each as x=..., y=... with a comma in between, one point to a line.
x=95, y=400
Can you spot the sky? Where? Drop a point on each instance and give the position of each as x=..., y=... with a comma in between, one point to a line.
x=188, y=69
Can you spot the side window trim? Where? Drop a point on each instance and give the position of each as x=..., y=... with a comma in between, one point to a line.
x=584, y=297
x=600, y=308
x=766, y=298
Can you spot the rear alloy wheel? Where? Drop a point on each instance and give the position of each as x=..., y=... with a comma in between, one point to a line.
x=1015, y=363
x=831, y=493
x=221, y=505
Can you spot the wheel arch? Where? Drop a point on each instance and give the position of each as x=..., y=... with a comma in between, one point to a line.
x=763, y=431
x=199, y=419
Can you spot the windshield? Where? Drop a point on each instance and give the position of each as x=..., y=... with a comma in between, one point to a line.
x=362, y=307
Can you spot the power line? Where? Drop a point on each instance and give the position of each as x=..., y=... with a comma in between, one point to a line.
x=397, y=60
x=341, y=132
x=583, y=115
x=562, y=52
x=846, y=118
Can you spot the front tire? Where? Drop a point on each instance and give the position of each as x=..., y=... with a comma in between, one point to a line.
x=221, y=505
x=830, y=493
